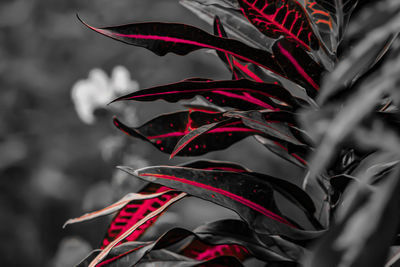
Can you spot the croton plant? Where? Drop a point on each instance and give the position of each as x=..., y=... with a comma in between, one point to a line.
x=310, y=84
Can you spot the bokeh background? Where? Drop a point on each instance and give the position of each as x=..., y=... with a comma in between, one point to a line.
x=53, y=166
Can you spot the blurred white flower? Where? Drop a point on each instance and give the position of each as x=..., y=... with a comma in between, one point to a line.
x=98, y=90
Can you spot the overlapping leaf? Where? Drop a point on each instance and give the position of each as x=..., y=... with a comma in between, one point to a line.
x=341, y=11
x=253, y=202
x=236, y=24
x=366, y=52
x=281, y=18
x=242, y=94
x=227, y=234
x=134, y=211
x=165, y=131
x=298, y=65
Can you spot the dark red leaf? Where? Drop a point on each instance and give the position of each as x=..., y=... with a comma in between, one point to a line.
x=135, y=211
x=225, y=57
x=165, y=131
x=254, y=202
x=162, y=38
x=224, y=232
x=281, y=18
x=298, y=65
x=242, y=94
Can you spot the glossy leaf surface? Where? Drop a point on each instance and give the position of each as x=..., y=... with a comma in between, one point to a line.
x=242, y=94
x=254, y=202
x=165, y=131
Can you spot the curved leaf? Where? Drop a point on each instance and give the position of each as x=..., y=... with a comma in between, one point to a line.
x=271, y=124
x=136, y=210
x=242, y=94
x=298, y=65
x=165, y=131
x=253, y=202
x=128, y=199
x=227, y=233
x=162, y=38
x=132, y=229
x=219, y=30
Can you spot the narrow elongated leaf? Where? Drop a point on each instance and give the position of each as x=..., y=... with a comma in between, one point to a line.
x=281, y=18
x=297, y=63
x=162, y=38
x=165, y=131
x=129, y=231
x=136, y=210
x=219, y=30
x=216, y=165
x=164, y=258
x=137, y=253
x=118, y=205
x=272, y=126
x=232, y=126
x=253, y=202
x=267, y=248
x=242, y=94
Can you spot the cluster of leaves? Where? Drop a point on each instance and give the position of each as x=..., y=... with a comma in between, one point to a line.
x=280, y=53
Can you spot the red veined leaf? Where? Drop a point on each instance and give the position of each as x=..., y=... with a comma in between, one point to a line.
x=134, y=227
x=232, y=130
x=216, y=165
x=165, y=131
x=224, y=232
x=242, y=94
x=286, y=188
x=198, y=132
x=170, y=259
x=137, y=253
x=297, y=63
x=162, y=38
x=253, y=202
x=225, y=57
x=281, y=18
x=201, y=251
x=136, y=210
x=129, y=198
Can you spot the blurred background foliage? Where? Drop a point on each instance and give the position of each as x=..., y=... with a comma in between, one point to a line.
x=53, y=166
